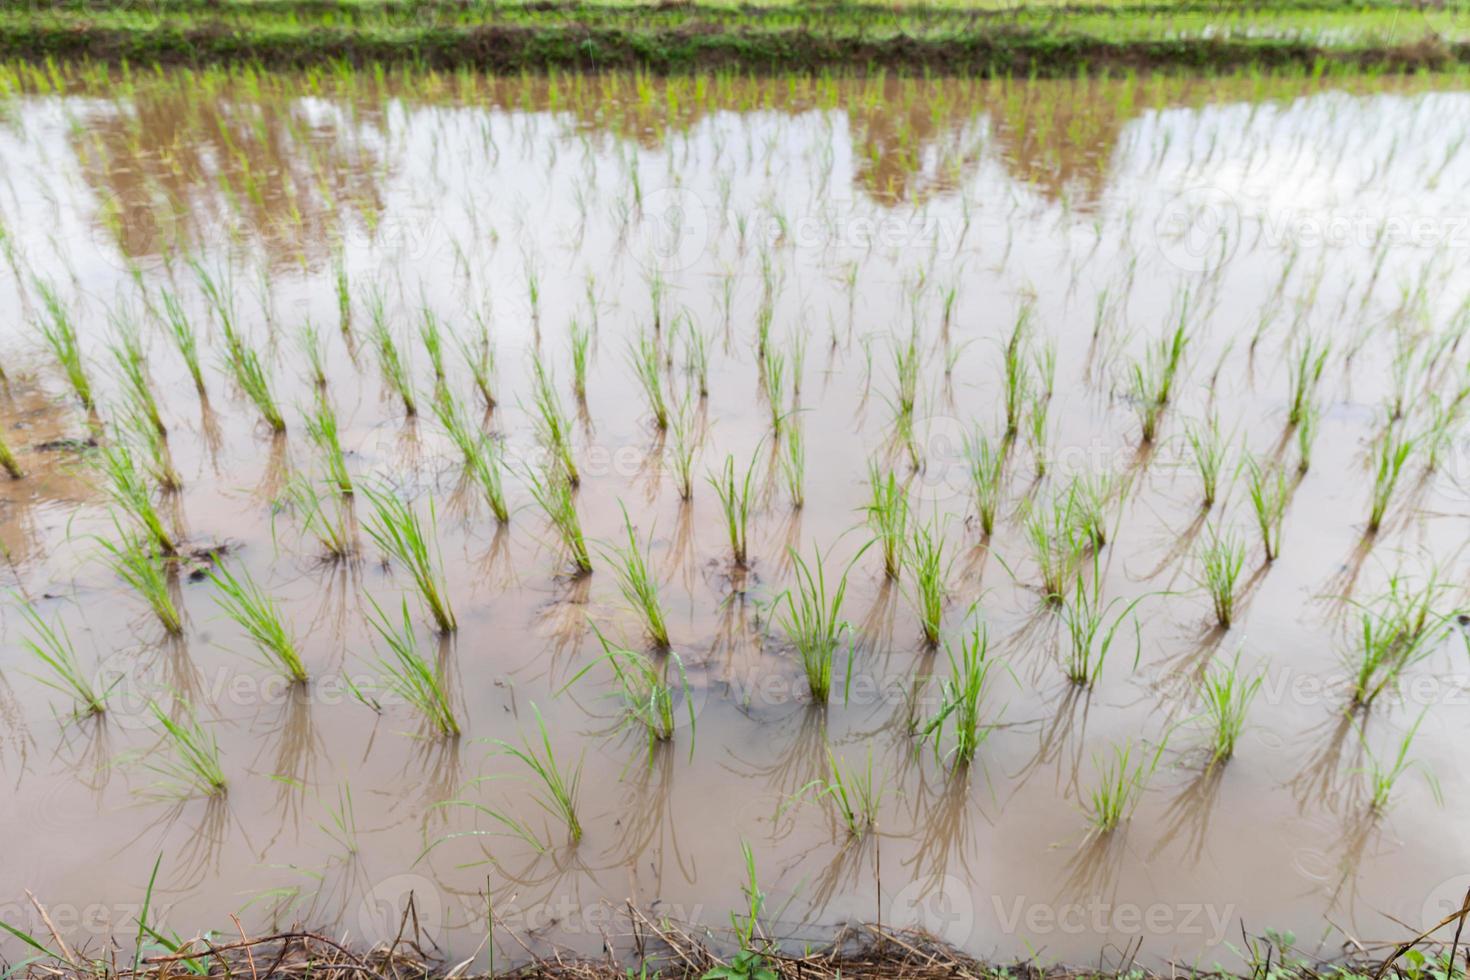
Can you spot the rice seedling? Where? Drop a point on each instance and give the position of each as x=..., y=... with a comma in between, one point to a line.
x=644, y=357
x=478, y=450
x=1058, y=544
x=1305, y=368
x=735, y=500
x=644, y=688
x=639, y=584
x=250, y=373
x=1221, y=558
x=1016, y=384
x=60, y=334
x=1152, y=378
x=930, y=574
x=1227, y=695
x=854, y=794
x=325, y=518
x=1207, y=449
x=961, y=695
x=8, y=462
x=684, y=443
x=557, y=498
x=793, y=459
x=479, y=356
x=127, y=354
x=395, y=370
x=1306, y=435
x=552, y=427
x=128, y=491
x=1121, y=782
x=558, y=787
x=1090, y=635
x=195, y=762
x=811, y=616
x=397, y=530
x=185, y=338
x=315, y=352
x=413, y=677
x=1036, y=433
x=696, y=347
x=343, y=287
x=1389, y=459
x=432, y=338
x=321, y=429
x=888, y=517
x=1397, y=631
x=259, y=615
x=581, y=344
x=1382, y=778
x=1091, y=497
x=1269, y=492
x=52, y=648
x=773, y=382
x=147, y=575
x=987, y=470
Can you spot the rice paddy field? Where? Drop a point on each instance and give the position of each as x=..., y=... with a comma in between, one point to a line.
x=1030, y=511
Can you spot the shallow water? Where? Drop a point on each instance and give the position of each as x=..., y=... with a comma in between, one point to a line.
x=1278, y=208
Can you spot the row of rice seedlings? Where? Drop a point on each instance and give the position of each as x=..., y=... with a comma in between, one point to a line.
x=888, y=517
x=930, y=574
x=558, y=787
x=1305, y=369
x=685, y=439
x=557, y=498
x=735, y=503
x=793, y=458
x=987, y=472
x=8, y=462
x=811, y=616
x=1382, y=778
x=395, y=370
x=1227, y=694
x=1121, y=782
x=961, y=695
x=478, y=450
x=397, y=530
x=1090, y=635
x=129, y=492
x=410, y=675
x=645, y=357
x=321, y=429
x=127, y=353
x=1221, y=558
x=1388, y=464
x=259, y=615
x=185, y=337
x=854, y=793
x=195, y=762
x=553, y=428
x=325, y=517
x=1270, y=493
x=60, y=334
x=639, y=584
x=249, y=372
x=645, y=688
x=51, y=646
x=147, y=574
x=1208, y=449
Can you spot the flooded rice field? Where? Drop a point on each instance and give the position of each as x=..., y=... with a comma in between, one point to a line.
x=954, y=366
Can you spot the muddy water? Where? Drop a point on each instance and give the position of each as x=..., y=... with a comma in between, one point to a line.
x=854, y=210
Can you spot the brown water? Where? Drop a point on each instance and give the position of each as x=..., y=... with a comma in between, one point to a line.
x=1343, y=213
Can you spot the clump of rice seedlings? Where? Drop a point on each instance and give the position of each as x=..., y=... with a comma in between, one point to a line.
x=259, y=615
x=51, y=646
x=888, y=516
x=644, y=688
x=1305, y=367
x=1036, y=432
x=127, y=353
x=683, y=445
x=479, y=357
x=60, y=334
x=1121, y=782
x=1396, y=632
x=930, y=574
x=696, y=348
x=153, y=450
x=195, y=762
x=793, y=459
x=1091, y=497
x=433, y=340
x=8, y=462
x=1207, y=448
x=639, y=585
x=147, y=575
x=1016, y=384
x=960, y=699
x=316, y=354
x=1221, y=558
x=556, y=497
x=552, y=426
x=558, y=787
x=397, y=530
x=735, y=500
x=581, y=344
x=321, y=429
x=478, y=450
x=1382, y=779
x=773, y=381
x=1153, y=377
x=1090, y=636
x=1058, y=544
x=249, y=372
x=1389, y=459
x=410, y=675
x=811, y=617
x=644, y=357
x=344, y=293
x=323, y=518
x=126, y=487
x=1306, y=435
x=906, y=376
x=1227, y=695
x=185, y=338
x=1269, y=492
x=987, y=469
x=854, y=794
x=396, y=373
